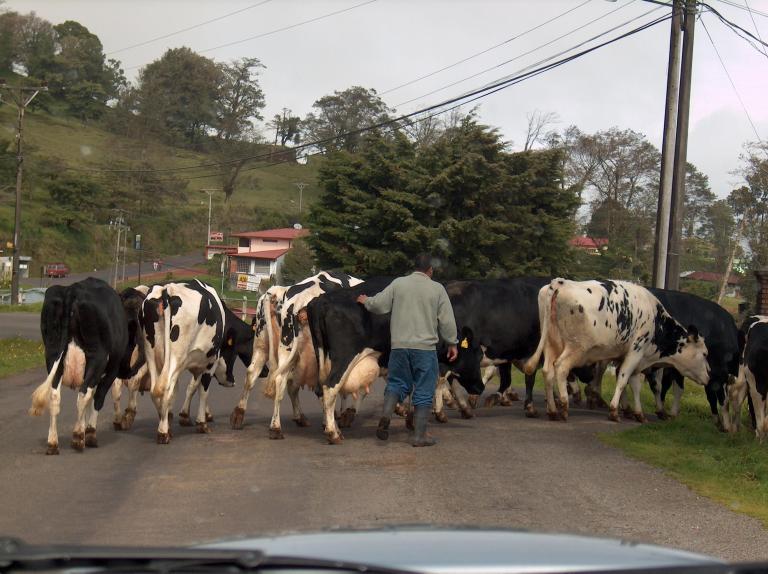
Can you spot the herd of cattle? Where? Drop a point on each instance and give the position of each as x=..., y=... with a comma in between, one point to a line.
x=313, y=334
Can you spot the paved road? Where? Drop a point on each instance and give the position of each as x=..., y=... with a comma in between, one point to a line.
x=499, y=469
x=176, y=263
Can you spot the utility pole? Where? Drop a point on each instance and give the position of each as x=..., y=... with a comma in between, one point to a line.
x=301, y=185
x=18, y=95
x=667, y=151
x=681, y=151
x=210, y=193
x=119, y=223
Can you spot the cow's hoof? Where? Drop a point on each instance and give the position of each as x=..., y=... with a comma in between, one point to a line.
x=492, y=400
x=117, y=425
x=473, y=400
x=640, y=417
x=591, y=403
x=208, y=417
x=236, y=418
x=506, y=401
x=628, y=413
x=531, y=412
x=202, y=428
x=335, y=439
x=128, y=417
x=563, y=415
x=184, y=420
x=90, y=438
x=512, y=395
x=409, y=422
x=52, y=449
x=613, y=414
x=441, y=417
x=401, y=410
x=466, y=414
x=347, y=418
x=78, y=441
x=449, y=403
x=661, y=415
x=276, y=434
x=302, y=421
x=163, y=438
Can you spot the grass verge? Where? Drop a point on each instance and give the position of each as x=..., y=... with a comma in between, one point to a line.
x=27, y=308
x=18, y=355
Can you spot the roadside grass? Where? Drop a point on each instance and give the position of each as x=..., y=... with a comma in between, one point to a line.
x=18, y=355
x=26, y=308
x=730, y=469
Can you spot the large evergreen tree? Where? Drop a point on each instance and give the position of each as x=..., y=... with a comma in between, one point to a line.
x=481, y=210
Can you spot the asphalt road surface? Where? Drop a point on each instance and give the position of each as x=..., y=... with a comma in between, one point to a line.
x=498, y=469
x=24, y=325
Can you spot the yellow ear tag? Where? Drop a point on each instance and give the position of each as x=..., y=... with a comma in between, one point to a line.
x=253, y=327
x=229, y=341
x=464, y=344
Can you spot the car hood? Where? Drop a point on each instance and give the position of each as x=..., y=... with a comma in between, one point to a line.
x=469, y=551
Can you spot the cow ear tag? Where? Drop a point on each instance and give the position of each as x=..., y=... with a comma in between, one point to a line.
x=229, y=341
x=253, y=327
x=464, y=343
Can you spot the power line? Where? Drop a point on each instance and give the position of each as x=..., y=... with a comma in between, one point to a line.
x=733, y=85
x=277, y=30
x=446, y=105
x=747, y=8
x=504, y=63
x=735, y=27
x=475, y=55
x=752, y=17
x=187, y=29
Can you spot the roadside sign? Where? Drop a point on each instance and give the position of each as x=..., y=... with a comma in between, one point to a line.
x=137, y=242
x=216, y=236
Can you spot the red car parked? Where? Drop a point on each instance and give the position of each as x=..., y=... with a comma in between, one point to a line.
x=56, y=270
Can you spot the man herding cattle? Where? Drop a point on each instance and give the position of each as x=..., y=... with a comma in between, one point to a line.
x=421, y=316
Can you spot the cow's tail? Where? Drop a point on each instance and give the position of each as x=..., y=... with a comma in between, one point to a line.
x=319, y=341
x=162, y=380
x=42, y=394
x=546, y=300
x=270, y=389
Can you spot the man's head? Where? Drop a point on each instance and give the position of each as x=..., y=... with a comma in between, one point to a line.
x=423, y=263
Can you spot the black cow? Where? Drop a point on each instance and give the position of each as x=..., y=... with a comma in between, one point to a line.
x=89, y=335
x=721, y=334
x=752, y=380
x=351, y=345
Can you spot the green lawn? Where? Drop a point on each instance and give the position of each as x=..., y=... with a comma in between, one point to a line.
x=17, y=355
x=27, y=308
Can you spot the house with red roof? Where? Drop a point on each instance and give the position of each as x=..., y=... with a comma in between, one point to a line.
x=592, y=245
x=260, y=255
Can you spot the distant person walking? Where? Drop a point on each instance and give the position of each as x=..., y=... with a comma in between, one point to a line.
x=421, y=316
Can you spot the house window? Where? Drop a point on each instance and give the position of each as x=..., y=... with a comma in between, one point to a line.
x=261, y=267
x=243, y=265
x=269, y=240
x=244, y=242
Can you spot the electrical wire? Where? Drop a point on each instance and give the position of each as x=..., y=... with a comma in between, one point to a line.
x=433, y=110
x=277, y=30
x=187, y=29
x=519, y=56
x=735, y=27
x=757, y=30
x=747, y=8
x=476, y=54
x=730, y=79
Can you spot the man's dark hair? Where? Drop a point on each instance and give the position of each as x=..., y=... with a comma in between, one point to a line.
x=423, y=262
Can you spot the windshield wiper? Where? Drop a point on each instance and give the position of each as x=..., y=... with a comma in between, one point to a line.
x=16, y=556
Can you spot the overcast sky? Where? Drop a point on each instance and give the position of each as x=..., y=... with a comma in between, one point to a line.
x=386, y=43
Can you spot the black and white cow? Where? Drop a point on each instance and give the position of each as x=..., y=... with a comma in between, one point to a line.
x=352, y=347
x=89, y=335
x=585, y=322
x=284, y=317
x=752, y=380
x=186, y=323
x=719, y=330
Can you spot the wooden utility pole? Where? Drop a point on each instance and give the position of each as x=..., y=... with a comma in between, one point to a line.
x=681, y=151
x=18, y=95
x=667, y=150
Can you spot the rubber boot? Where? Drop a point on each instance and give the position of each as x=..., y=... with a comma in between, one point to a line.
x=420, y=417
x=390, y=402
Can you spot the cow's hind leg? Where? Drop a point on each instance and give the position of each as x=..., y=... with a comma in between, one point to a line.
x=130, y=411
x=84, y=404
x=192, y=387
x=54, y=408
x=117, y=391
x=275, y=430
x=329, y=409
x=202, y=408
x=252, y=374
x=636, y=383
x=528, y=406
x=626, y=370
x=562, y=368
x=90, y=430
x=439, y=405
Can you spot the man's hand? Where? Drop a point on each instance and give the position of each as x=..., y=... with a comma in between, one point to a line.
x=362, y=299
x=453, y=352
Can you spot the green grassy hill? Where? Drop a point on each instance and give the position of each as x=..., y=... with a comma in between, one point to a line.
x=262, y=195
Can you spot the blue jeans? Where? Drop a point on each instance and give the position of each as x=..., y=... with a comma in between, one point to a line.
x=412, y=370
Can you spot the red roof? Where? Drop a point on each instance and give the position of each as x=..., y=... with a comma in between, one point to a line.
x=711, y=277
x=284, y=233
x=270, y=254
x=588, y=242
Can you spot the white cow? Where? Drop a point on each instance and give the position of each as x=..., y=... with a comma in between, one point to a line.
x=584, y=322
